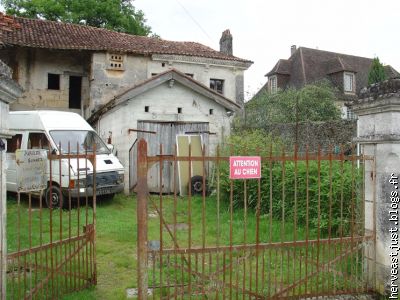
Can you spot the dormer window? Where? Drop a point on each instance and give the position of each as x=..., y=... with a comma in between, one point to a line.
x=349, y=83
x=273, y=84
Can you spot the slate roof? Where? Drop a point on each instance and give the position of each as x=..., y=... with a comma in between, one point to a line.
x=308, y=65
x=281, y=67
x=65, y=36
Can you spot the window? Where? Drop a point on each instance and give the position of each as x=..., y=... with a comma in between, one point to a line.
x=14, y=143
x=78, y=141
x=273, y=84
x=349, y=82
x=146, y=109
x=211, y=111
x=217, y=85
x=53, y=81
x=154, y=74
x=38, y=140
x=350, y=115
x=179, y=110
x=115, y=62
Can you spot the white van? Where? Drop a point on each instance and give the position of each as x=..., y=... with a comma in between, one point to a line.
x=50, y=129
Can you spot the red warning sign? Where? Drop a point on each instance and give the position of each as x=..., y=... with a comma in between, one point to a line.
x=244, y=167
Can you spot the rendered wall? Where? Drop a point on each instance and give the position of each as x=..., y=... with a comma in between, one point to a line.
x=163, y=102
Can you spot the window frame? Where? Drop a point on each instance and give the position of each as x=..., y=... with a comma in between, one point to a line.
x=273, y=84
x=351, y=82
x=213, y=81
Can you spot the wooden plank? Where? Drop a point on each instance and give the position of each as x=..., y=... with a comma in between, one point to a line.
x=183, y=166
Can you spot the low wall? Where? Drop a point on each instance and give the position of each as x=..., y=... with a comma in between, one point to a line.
x=313, y=134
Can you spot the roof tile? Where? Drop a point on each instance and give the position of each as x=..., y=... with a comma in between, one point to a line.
x=56, y=35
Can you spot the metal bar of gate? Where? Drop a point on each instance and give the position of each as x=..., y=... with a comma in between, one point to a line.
x=268, y=260
x=142, y=192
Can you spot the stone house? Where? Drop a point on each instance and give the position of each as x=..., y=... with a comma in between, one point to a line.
x=348, y=73
x=120, y=82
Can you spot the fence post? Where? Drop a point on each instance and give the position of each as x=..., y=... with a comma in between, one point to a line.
x=142, y=193
x=378, y=132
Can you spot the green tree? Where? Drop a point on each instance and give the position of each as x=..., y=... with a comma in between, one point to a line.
x=314, y=102
x=376, y=72
x=118, y=15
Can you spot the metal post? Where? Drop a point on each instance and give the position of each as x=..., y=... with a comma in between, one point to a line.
x=142, y=191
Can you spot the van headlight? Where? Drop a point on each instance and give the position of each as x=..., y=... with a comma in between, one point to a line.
x=120, y=178
x=75, y=183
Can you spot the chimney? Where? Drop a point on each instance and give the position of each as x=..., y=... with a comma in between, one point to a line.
x=225, y=43
x=292, y=49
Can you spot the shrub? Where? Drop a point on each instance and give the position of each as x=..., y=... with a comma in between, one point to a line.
x=293, y=184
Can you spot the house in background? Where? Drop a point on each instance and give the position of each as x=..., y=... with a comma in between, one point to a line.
x=348, y=73
x=121, y=82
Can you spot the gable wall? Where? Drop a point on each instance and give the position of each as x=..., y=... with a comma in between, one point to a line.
x=106, y=84
x=202, y=73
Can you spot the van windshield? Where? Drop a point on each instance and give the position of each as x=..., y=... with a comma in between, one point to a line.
x=78, y=141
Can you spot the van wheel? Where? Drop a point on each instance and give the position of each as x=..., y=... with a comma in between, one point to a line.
x=196, y=184
x=54, y=197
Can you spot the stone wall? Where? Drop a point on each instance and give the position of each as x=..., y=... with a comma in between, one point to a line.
x=379, y=135
x=332, y=133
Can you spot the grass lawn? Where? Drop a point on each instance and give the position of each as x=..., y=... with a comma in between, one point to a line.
x=116, y=250
x=115, y=242
x=116, y=233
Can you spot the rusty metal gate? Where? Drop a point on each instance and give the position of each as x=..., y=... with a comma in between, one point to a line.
x=51, y=243
x=297, y=232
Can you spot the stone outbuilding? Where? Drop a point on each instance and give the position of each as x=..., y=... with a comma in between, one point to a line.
x=160, y=109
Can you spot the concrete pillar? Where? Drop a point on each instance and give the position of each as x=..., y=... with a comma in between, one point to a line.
x=379, y=136
x=9, y=91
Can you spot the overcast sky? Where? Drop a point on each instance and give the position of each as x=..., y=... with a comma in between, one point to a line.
x=264, y=30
